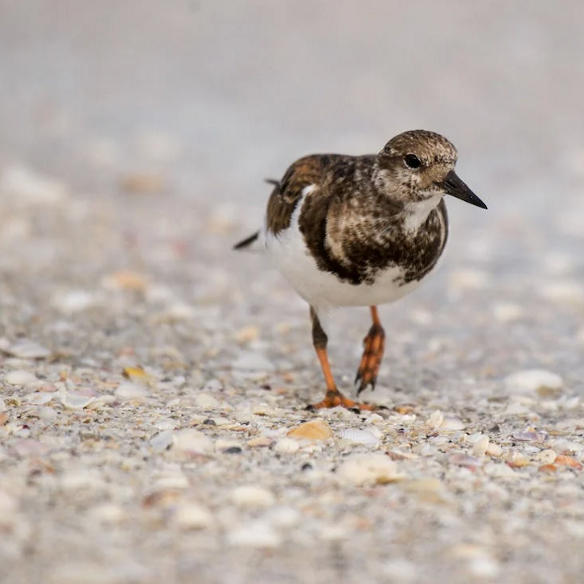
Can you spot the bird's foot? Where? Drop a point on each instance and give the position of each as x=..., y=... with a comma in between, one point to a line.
x=334, y=398
x=374, y=345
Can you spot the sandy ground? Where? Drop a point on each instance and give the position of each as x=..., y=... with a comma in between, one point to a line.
x=150, y=376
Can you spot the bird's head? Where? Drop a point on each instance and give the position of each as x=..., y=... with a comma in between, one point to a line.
x=418, y=166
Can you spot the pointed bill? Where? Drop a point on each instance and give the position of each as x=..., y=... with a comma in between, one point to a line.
x=452, y=185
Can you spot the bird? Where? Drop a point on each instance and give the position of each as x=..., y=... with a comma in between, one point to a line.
x=360, y=231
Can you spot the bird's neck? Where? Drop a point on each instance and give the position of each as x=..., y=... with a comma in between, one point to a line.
x=416, y=213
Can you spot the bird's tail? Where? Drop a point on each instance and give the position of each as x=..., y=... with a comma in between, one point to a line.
x=248, y=242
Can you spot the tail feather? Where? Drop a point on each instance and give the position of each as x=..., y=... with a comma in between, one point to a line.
x=247, y=241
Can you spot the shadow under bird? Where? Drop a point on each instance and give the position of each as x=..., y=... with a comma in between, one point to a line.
x=361, y=231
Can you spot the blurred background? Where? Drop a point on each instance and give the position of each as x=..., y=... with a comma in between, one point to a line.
x=134, y=139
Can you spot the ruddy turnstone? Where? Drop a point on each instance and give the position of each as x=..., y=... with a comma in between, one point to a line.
x=361, y=231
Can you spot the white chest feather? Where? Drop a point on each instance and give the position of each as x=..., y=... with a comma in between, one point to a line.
x=322, y=289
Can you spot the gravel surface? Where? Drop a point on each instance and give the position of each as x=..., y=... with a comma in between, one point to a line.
x=153, y=382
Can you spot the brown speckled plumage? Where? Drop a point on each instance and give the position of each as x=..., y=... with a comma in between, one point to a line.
x=362, y=230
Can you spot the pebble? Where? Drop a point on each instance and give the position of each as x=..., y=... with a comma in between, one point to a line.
x=359, y=436
x=287, y=446
x=20, y=378
x=365, y=469
x=192, y=441
x=206, y=401
x=313, y=430
x=26, y=349
x=192, y=516
x=250, y=496
x=128, y=391
x=533, y=380
x=253, y=361
x=435, y=419
x=258, y=534
x=451, y=424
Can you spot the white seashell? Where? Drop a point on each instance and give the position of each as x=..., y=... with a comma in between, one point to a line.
x=162, y=441
x=251, y=361
x=359, y=436
x=533, y=380
x=39, y=398
x=76, y=401
x=530, y=436
x=192, y=441
x=192, y=516
x=131, y=392
x=451, y=424
x=436, y=419
x=258, y=534
x=287, y=446
x=25, y=349
x=252, y=497
x=369, y=469
x=20, y=378
x=206, y=401
x=480, y=446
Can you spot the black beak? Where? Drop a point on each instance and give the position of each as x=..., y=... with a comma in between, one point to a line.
x=452, y=185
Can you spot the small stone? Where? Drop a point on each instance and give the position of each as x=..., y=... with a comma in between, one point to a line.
x=564, y=460
x=252, y=497
x=260, y=441
x=20, y=378
x=465, y=460
x=359, y=436
x=192, y=441
x=131, y=392
x=191, y=516
x=256, y=535
x=206, y=401
x=287, y=446
x=313, y=430
x=76, y=401
x=252, y=361
x=162, y=441
x=533, y=380
x=369, y=469
x=25, y=349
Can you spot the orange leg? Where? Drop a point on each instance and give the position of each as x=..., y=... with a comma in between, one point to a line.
x=374, y=344
x=333, y=396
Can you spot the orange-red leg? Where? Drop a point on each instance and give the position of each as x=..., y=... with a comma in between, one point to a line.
x=333, y=396
x=374, y=345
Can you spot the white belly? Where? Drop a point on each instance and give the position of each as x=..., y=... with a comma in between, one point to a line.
x=321, y=289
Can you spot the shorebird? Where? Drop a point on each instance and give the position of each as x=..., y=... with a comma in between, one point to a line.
x=361, y=231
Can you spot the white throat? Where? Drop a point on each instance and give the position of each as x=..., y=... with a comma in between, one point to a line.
x=416, y=213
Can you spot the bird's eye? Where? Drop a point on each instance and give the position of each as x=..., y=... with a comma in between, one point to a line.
x=412, y=161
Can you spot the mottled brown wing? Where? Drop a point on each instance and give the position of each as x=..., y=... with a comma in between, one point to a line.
x=309, y=170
